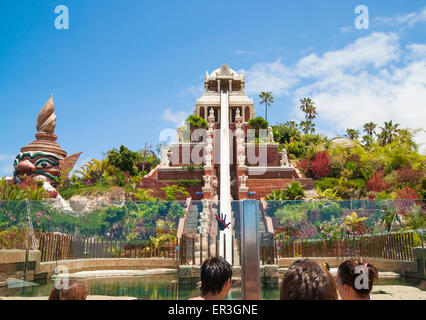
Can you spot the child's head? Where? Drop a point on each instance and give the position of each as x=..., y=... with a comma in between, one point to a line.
x=216, y=275
x=355, y=279
x=306, y=280
x=73, y=290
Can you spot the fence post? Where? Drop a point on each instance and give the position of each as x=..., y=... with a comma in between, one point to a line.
x=201, y=249
x=224, y=246
x=193, y=250
x=232, y=248
x=208, y=244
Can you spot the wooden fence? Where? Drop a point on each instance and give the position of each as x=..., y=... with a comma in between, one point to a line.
x=194, y=249
x=393, y=247
x=65, y=247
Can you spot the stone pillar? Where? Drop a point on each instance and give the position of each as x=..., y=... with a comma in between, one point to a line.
x=218, y=85
x=244, y=113
x=205, y=112
x=230, y=85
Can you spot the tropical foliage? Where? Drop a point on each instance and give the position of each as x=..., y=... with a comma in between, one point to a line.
x=267, y=99
x=196, y=121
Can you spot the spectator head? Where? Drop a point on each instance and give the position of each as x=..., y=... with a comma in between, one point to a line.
x=352, y=283
x=216, y=277
x=75, y=290
x=305, y=280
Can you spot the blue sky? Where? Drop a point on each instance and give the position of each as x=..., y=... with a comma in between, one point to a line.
x=126, y=70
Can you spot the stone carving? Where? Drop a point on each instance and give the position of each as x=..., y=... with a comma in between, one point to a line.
x=214, y=183
x=284, y=158
x=44, y=157
x=224, y=70
x=165, y=162
x=179, y=134
x=270, y=135
x=243, y=183
x=241, y=160
x=208, y=160
x=211, y=115
x=238, y=116
x=240, y=141
x=239, y=129
x=207, y=180
x=209, y=141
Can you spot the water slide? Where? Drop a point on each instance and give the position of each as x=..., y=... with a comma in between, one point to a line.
x=225, y=183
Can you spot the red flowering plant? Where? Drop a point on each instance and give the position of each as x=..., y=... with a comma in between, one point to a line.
x=306, y=230
x=53, y=194
x=377, y=183
x=317, y=167
x=410, y=177
x=42, y=216
x=320, y=166
x=407, y=197
x=305, y=165
x=332, y=229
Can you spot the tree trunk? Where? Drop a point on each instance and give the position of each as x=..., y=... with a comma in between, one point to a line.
x=266, y=111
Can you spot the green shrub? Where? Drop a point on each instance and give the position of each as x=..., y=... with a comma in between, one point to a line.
x=296, y=149
x=124, y=159
x=293, y=191
x=284, y=134
x=175, y=192
x=196, y=121
x=312, y=139
x=326, y=183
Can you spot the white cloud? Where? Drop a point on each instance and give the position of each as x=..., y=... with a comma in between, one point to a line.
x=377, y=49
x=371, y=79
x=417, y=50
x=408, y=20
x=176, y=117
x=273, y=76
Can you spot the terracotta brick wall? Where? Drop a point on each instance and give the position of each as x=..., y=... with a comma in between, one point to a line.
x=263, y=187
x=181, y=174
x=275, y=175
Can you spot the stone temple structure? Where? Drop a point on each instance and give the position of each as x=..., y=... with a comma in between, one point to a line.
x=229, y=159
x=256, y=168
x=44, y=157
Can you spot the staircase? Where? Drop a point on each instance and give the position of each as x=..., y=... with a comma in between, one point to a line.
x=192, y=223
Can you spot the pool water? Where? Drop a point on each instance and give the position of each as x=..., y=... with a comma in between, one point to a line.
x=155, y=287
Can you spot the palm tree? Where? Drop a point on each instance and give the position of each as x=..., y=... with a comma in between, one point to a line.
x=352, y=134
x=369, y=128
x=291, y=124
x=267, y=99
x=388, y=133
x=307, y=126
x=367, y=140
x=308, y=107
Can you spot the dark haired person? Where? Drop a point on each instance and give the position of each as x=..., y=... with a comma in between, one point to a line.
x=75, y=290
x=216, y=278
x=332, y=282
x=306, y=280
x=352, y=283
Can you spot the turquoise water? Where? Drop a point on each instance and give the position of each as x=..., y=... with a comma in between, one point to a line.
x=155, y=287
